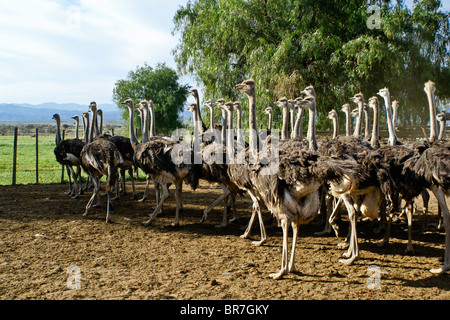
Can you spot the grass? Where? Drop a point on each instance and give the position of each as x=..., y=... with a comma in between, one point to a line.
x=49, y=168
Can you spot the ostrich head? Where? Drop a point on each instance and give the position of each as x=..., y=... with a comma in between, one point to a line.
x=220, y=102
x=384, y=93
x=430, y=87
x=373, y=102
x=247, y=86
x=85, y=115
x=128, y=103
x=395, y=104
x=143, y=103
x=209, y=104
x=56, y=117
x=332, y=115
x=228, y=106
x=192, y=107
x=309, y=102
x=268, y=110
x=237, y=105
x=193, y=92
x=76, y=118
x=93, y=106
x=354, y=113
x=309, y=91
x=357, y=98
x=441, y=117
x=346, y=108
x=282, y=102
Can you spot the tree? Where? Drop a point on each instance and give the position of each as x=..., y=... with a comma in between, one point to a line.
x=286, y=45
x=159, y=85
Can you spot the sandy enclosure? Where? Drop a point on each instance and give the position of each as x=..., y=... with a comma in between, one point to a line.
x=48, y=250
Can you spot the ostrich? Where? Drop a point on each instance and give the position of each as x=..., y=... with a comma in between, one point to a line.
x=239, y=136
x=156, y=158
x=292, y=109
x=283, y=104
x=359, y=100
x=292, y=194
x=100, y=157
x=67, y=152
x=333, y=116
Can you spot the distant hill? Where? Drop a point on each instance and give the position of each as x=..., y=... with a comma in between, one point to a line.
x=24, y=112
x=44, y=112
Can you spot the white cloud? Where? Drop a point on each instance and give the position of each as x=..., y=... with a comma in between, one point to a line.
x=75, y=51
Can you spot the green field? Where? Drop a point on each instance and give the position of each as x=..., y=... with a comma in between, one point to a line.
x=49, y=169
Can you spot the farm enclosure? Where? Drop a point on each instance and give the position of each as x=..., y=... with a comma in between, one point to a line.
x=43, y=233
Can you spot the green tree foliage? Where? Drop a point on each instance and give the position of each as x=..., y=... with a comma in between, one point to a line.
x=286, y=45
x=161, y=85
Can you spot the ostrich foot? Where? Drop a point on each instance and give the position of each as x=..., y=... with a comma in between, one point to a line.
x=232, y=220
x=279, y=275
x=258, y=243
x=348, y=261
x=409, y=250
x=440, y=270
x=143, y=199
x=222, y=225
x=203, y=219
x=175, y=224
x=147, y=223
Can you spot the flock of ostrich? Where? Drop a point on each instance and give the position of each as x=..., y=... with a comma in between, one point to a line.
x=369, y=176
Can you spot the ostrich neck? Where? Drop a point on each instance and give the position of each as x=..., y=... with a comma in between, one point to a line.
x=151, y=118
x=357, y=132
x=392, y=136
x=348, y=123
x=58, y=131
x=211, y=119
x=100, y=129
x=335, y=127
x=441, y=130
x=375, y=131
x=145, y=117
x=298, y=124
x=199, y=114
x=394, y=117
x=239, y=135
x=311, y=136
x=224, y=127
x=270, y=121
x=133, y=139
x=253, y=129
x=367, y=126
x=292, y=120
x=86, y=130
x=93, y=126
x=76, y=130
x=284, y=130
x=433, y=124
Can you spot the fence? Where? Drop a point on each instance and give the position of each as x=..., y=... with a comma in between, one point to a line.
x=408, y=133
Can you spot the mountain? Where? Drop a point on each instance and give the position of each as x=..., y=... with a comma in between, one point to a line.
x=44, y=112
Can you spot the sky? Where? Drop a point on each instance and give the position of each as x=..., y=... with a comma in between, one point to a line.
x=74, y=51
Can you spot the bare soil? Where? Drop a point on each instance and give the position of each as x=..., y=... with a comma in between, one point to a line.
x=43, y=234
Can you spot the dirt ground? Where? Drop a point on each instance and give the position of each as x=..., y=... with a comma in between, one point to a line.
x=48, y=250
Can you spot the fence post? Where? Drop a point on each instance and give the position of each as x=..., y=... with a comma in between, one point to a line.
x=62, y=170
x=16, y=131
x=37, y=155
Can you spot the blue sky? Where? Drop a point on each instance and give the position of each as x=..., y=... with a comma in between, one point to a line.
x=74, y=51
